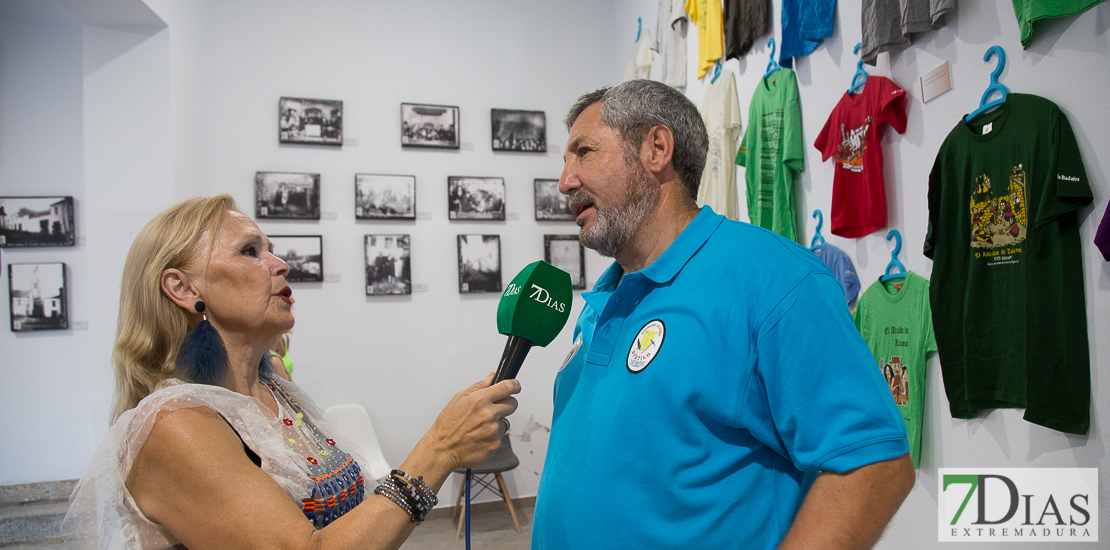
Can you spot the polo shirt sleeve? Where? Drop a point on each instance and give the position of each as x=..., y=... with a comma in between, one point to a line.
x=815, y=394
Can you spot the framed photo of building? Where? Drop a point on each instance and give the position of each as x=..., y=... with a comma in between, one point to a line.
x=304, y=254
x=388, y=269
x=312, y=121
x=551, y=205
x=385, y=197
x=290, y=195
x=479, y=263
x=36, y=221
x=37, y=297
x=524, y=131
x=475, y=198
x=429, y=126
x=566, y=253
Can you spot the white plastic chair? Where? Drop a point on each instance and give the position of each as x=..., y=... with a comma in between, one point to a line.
x=354, y=423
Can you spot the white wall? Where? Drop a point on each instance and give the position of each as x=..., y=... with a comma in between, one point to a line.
x=1068, y=62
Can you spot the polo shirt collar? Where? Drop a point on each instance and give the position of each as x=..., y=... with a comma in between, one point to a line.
x=667, y=265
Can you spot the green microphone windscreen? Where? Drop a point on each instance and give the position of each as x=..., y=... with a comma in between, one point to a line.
x=536, y=304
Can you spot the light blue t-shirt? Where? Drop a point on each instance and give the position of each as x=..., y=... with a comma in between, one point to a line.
x=704, y=393
x=805, y=23
x=841, y=266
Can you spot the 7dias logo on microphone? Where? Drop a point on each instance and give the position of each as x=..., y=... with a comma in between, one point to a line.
x=539, y=294
x=1017, y=504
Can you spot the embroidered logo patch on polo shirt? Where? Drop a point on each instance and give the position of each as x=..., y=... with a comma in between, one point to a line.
x=646, y=345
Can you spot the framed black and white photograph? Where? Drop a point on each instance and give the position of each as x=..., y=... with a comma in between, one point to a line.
x=551, y=205
x=524, y=131
x=385, y=197
x=304, y=254
x=479, y=263
x=566, y=253
x=37, y=296
x=475, y=198
x=36, y=221
x=292, y=195
x=312, y=121
x=388, y=270
x=429, y=126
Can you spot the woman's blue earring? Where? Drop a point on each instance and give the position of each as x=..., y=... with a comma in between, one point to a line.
x=203, y=358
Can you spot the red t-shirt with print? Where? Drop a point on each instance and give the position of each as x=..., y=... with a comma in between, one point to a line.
x=853, y=135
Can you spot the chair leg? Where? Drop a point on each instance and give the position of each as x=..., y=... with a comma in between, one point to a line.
x=462, y=489
x=508, y=501
x=462, y=514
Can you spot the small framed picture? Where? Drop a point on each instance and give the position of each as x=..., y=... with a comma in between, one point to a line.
x=551, y=205
x=566, y=253
x=479, y=263
x=287, y=195
x=313, y=121
x=385, y=197
x=304, y=254
x=388, y=268
x=429, y=126
x=475, y=198
x=36, y=221
x=37, y=296
x=524, y=131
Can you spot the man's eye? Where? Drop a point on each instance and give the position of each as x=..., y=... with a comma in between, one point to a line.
x=583, y=150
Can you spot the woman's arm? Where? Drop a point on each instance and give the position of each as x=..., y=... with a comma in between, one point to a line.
x=193, y=477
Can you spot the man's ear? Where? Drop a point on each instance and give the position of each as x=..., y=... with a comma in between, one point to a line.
x=658, y=148
x=178, y=287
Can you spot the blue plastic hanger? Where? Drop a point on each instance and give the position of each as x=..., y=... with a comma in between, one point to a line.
x=854, y=87
x=818, y=240
x=716, y=72
x=894, y=263
x=994, y=85
x=639, y=27
x=773, y=65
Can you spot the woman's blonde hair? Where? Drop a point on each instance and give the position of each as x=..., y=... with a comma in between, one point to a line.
x=151, y=326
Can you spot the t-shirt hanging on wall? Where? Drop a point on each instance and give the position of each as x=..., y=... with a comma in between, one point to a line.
x=720, y=110
x=853, y=134
x=895, y=321
x=1031, y=11
x=772, y=151
x=841, y=266
x=816, y=20
x=670, y=42
x=744, y=22
x=887, y=24
x=1007, y=283
x=706, y=14
x=1102, y=236
x=642, y=58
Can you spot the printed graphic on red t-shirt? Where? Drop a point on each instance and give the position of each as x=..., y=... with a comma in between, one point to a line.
x=853, y=145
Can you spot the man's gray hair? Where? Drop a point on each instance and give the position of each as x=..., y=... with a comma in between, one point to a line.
x=634, y=107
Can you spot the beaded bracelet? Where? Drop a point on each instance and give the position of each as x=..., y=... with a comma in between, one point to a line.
x=412, y=495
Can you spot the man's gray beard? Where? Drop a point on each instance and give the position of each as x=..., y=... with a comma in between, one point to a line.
x=615, y=226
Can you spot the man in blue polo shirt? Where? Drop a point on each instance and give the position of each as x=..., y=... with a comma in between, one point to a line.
x=717, y=394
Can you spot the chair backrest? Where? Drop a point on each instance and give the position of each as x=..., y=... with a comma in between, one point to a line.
x=501, y=461
x=354, y=423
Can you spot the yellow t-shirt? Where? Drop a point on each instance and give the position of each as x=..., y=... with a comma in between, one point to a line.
x=707, y=15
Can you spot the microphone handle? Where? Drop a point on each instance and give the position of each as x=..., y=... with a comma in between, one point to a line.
x=516, y=349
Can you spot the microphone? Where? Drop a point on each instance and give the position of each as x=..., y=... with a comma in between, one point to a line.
x=533, y=310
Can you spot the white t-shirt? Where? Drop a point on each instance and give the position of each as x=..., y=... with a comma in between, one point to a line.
x=670, y=43
x=640, y=66
x=721, y=112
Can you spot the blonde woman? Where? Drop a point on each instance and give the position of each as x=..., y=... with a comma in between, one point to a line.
x=209, y=449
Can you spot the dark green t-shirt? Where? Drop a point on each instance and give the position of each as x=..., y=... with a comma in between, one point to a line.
x=1007, y=282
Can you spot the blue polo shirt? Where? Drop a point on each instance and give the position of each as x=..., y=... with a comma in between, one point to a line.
x=706, y=392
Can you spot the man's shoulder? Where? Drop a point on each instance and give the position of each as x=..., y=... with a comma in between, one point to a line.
x=761, y=252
